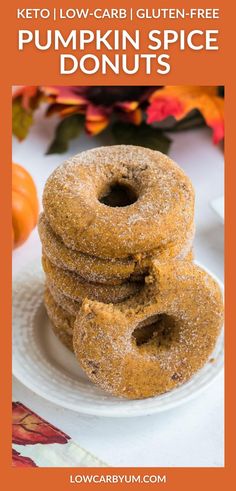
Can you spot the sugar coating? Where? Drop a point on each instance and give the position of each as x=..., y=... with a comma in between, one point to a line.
x=73, y=286
x=112, y=271
x=107, y=349
x=91, y=268
x=62, y=323
x=69, y=305
x=120, y=280
x=161, y=216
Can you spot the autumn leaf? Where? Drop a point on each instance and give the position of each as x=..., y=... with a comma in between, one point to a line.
x=30, y=96
x=19, y=460
x=66, y=94
x=180, y=100
x=97, y=119
x=21, y=120
x=165, y=108
x=134, y=117
x=29, y=428
x=98, y=104
x=142, y=135
x=25, y=102
x=67, y=129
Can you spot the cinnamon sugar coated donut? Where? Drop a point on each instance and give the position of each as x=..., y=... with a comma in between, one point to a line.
x=116, y=201
x=122, y=291
x=61, y=321
x=78, y=289
x=68, y=304
x=90, y=268
x=154, y=341
x=99, y=270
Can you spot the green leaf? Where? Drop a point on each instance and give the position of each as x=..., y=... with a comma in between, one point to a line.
x=21, y=119
x=143, y=135
x=67, y=129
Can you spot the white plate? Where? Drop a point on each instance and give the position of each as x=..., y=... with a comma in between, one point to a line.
x=49, y=369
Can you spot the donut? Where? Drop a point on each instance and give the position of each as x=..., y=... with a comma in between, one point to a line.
x=61, y=322
x=99, y=270
x=73, y=286
x=91, y=268
x=63, y=336
x=155, y=341
x=70, y=306
x=117, y=201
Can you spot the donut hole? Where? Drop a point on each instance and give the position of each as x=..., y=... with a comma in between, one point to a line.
x=118, y=195
x=159, y=330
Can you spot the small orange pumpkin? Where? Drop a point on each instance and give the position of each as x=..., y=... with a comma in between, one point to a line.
x=24, y=205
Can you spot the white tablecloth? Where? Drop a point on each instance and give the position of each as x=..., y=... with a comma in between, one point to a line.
x=192, y=434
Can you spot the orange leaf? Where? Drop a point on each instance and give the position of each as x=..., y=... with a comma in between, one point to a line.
x=66, y=94
x=134, y=117
x=97, y=119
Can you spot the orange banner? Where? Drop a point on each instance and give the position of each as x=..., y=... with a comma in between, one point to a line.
x=116, y=43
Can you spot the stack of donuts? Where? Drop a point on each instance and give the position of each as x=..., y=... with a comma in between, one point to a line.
x=122, y=290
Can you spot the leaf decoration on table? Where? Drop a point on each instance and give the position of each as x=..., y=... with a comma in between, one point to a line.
x=95, y=108
x=98, y=104
x=179, y=101
x=19, y=460
x=29, y=429
x=68, y=128
x=25, y=101
x=142, y=135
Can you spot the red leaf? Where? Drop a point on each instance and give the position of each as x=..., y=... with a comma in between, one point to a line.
x=162, y=107
x=19, y=460
x=29, y=428
x=180, y=100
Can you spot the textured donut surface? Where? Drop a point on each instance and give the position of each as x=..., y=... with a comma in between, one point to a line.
x=66, y=303
x=73, y=286
x=91, y=268
x=154, y=341
x=61, y=321
x=99, y=270
x=159, y=214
